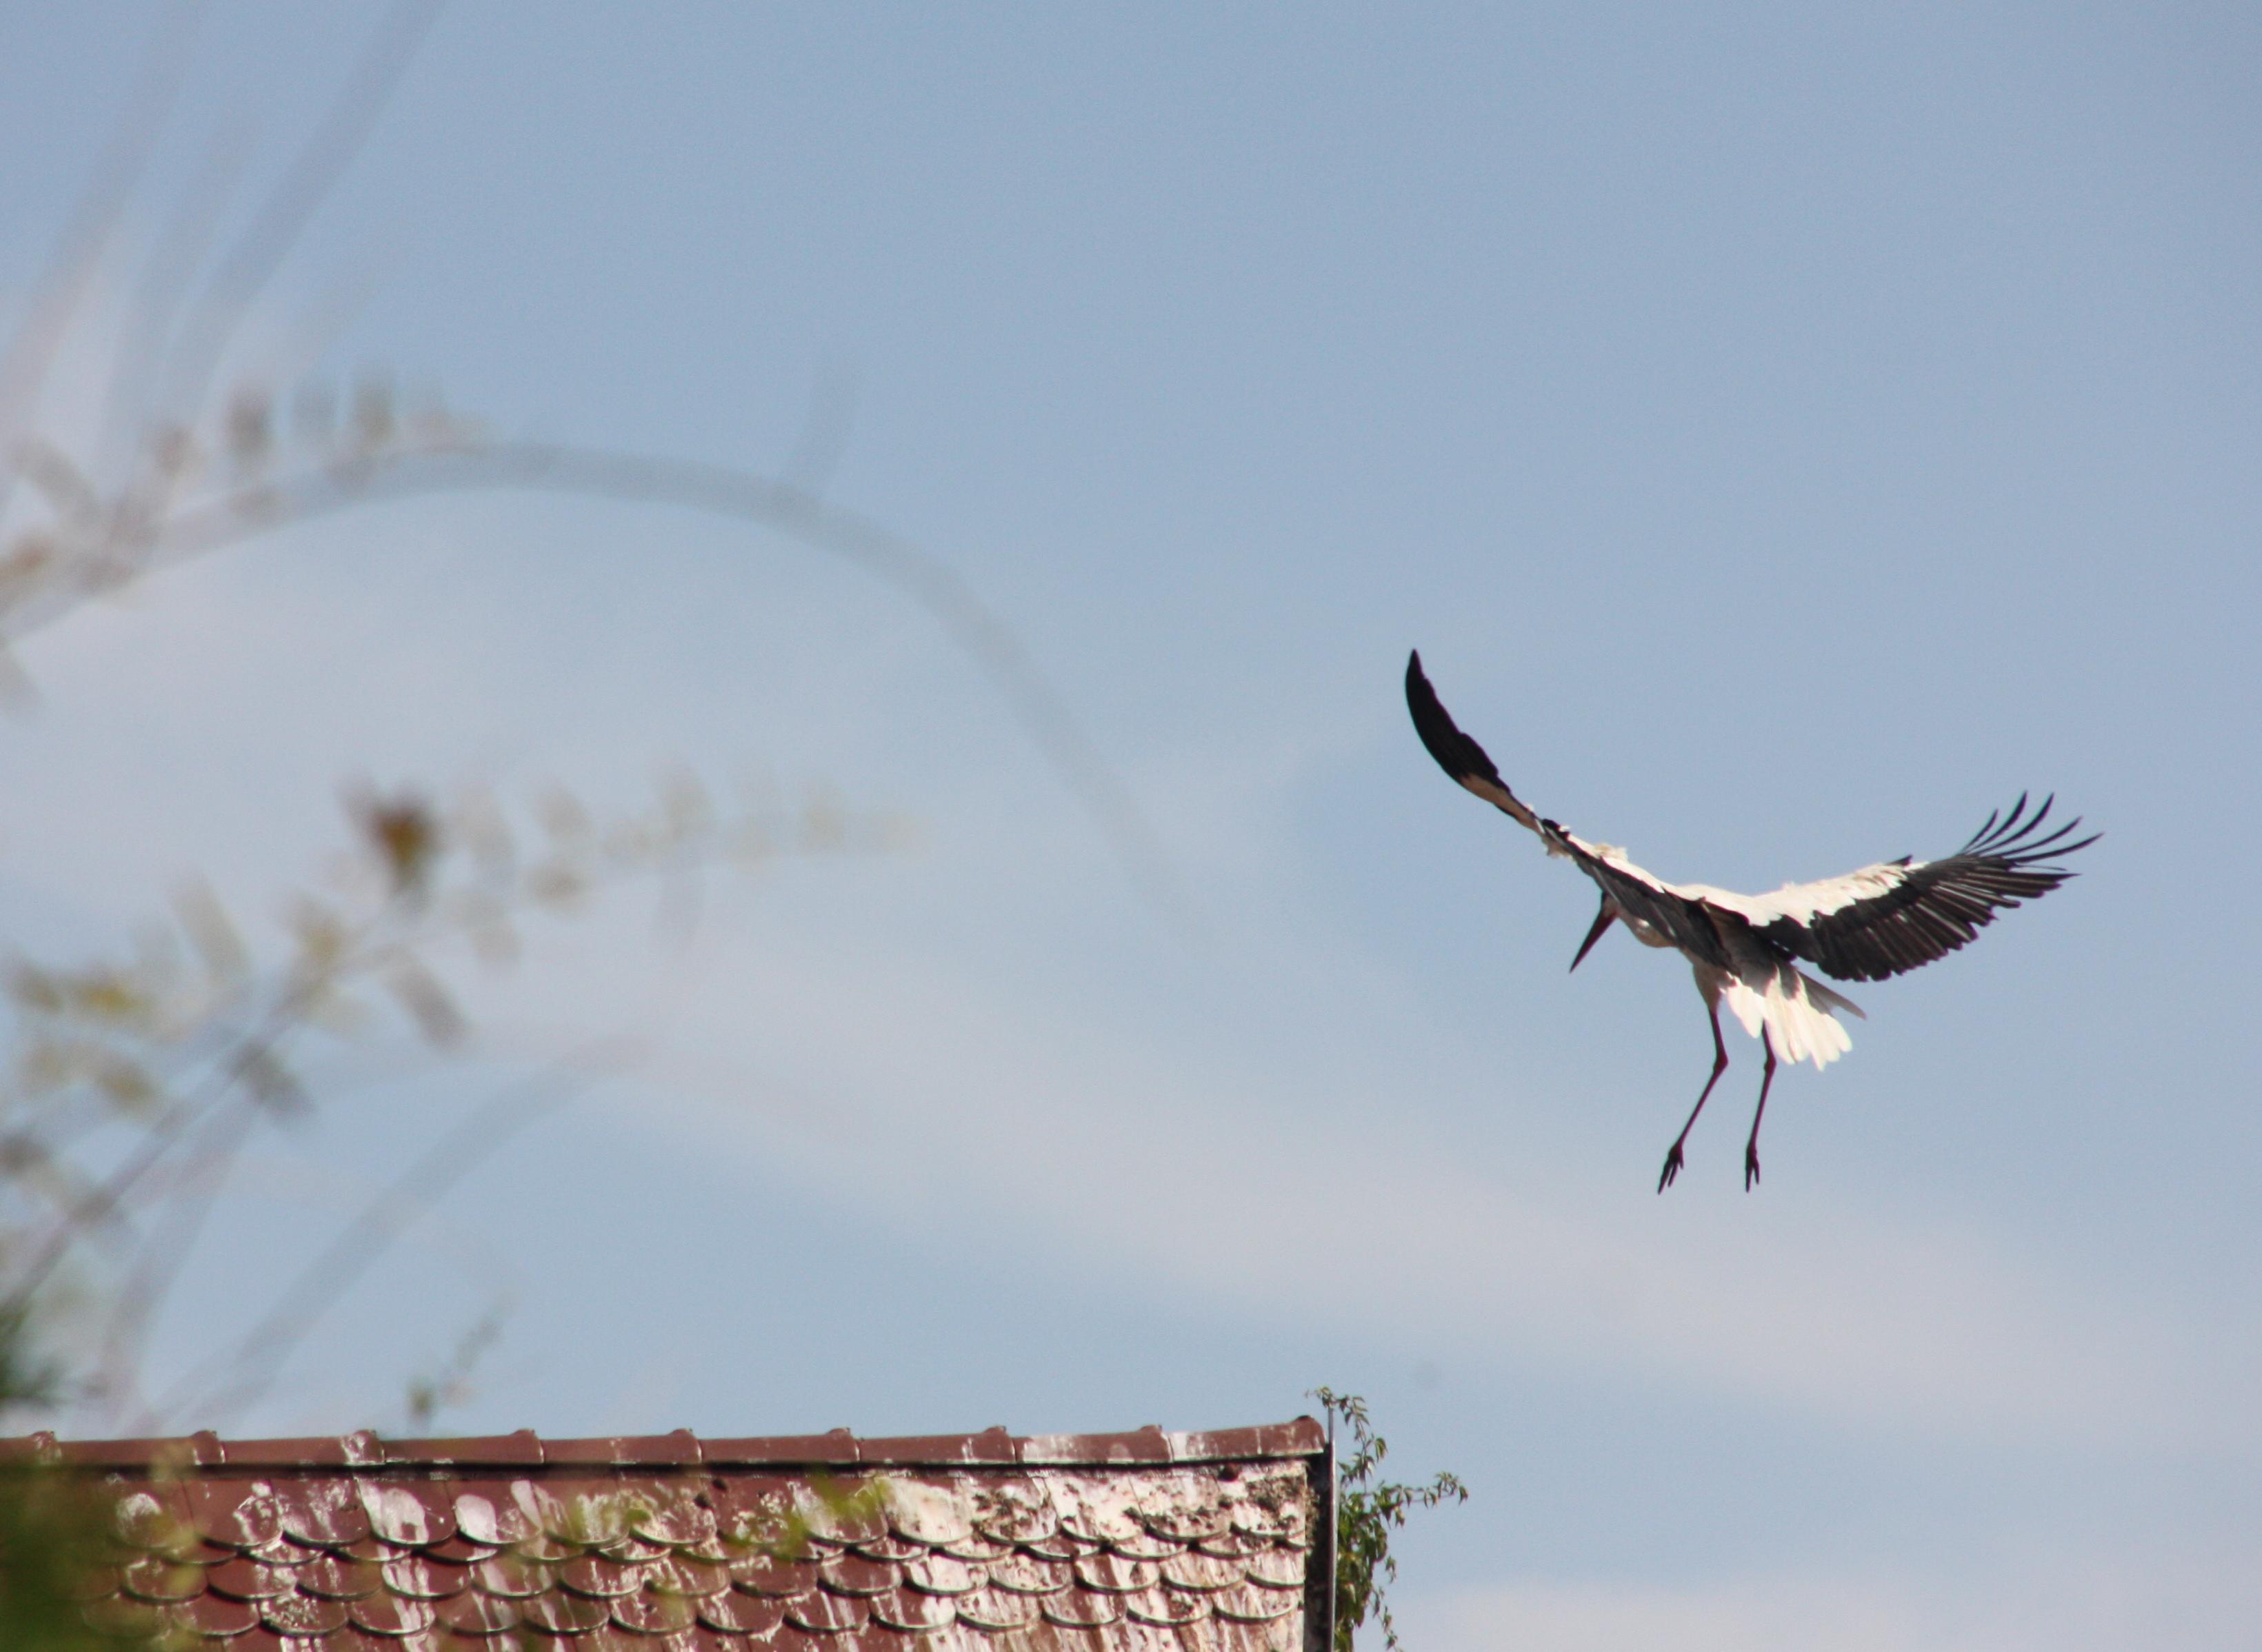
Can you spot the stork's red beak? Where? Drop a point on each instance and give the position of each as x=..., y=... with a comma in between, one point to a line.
x=1603, y=921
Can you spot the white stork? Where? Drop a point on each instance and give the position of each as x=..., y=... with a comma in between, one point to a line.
x=1865, y=926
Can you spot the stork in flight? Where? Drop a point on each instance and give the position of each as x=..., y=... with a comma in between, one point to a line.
x=1867, y=925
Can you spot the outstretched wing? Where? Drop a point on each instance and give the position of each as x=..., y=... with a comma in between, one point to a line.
x=1894, y=916
x=1461, y=756
x=1640, y=897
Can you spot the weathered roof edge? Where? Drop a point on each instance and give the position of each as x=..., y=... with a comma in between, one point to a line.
x=526, y=1450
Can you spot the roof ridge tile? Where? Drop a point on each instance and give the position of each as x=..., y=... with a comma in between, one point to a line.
x=993, y=1447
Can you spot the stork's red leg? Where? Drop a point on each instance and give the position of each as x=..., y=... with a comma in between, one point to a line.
x=1751, y=1147
x=1719, y=1066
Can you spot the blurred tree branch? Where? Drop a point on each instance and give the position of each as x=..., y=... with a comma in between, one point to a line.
x=139, y=1079
x=173, y=513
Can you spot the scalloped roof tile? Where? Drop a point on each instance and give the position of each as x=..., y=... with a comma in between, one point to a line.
x=1144, y=1541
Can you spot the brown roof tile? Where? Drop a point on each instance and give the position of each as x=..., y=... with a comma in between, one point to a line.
x=1147, y=1541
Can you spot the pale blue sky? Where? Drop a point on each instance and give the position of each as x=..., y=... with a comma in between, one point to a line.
x=1787, y=433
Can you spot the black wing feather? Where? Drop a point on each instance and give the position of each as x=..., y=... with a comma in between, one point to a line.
x=1689, y=924
x=1940, y=906
x=1461, y=756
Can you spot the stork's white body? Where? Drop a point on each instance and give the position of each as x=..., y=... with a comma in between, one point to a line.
x=1765, y=992
x=1867, y=925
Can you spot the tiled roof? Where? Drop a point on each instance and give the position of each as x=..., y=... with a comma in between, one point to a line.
x=1146, y=1542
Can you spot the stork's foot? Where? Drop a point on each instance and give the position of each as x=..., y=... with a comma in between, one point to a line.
x=1750, y=1166
x=1672, y=1168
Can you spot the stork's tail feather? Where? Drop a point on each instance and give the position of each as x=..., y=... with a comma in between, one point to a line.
x=1798, y=1011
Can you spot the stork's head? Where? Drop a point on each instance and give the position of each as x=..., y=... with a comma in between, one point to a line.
x=1603, y=919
